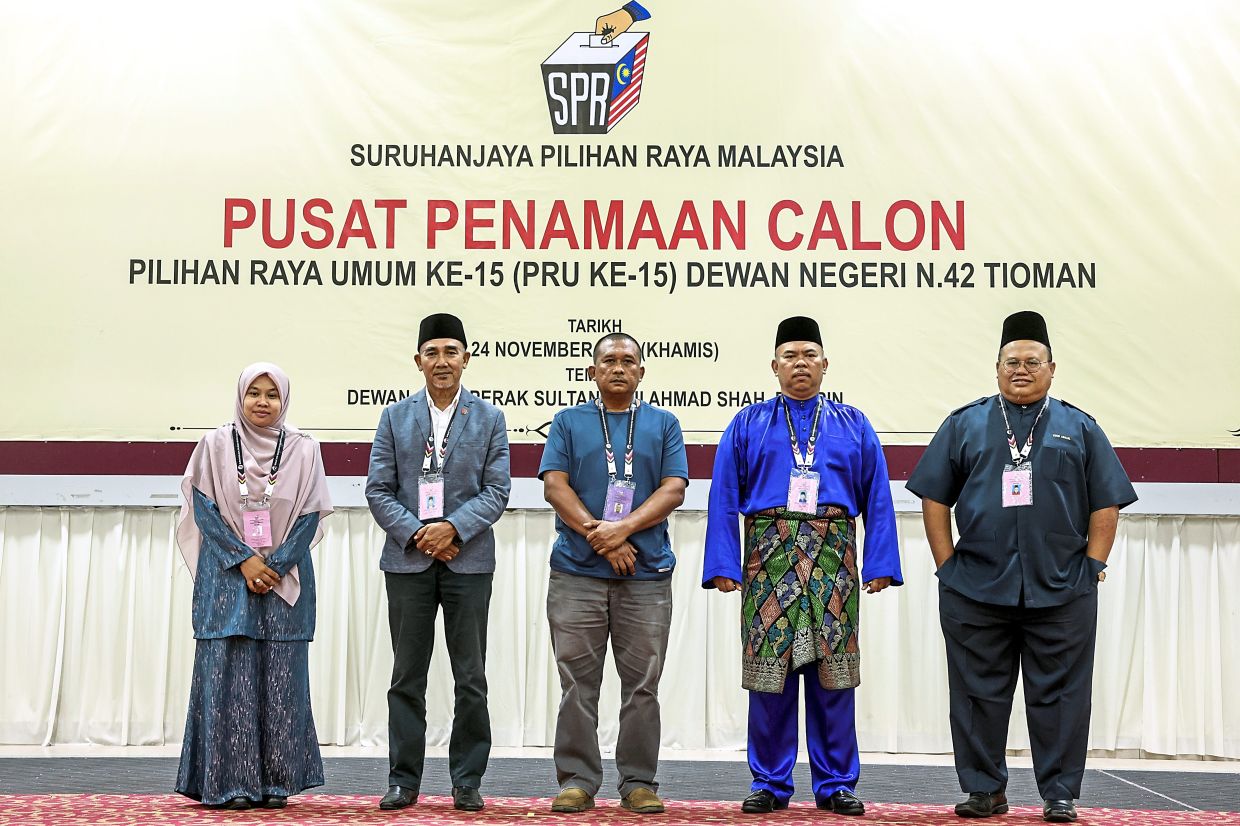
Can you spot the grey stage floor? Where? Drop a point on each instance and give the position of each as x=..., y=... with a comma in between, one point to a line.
x=681, y=780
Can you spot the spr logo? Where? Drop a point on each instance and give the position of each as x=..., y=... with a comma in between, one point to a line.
x=594, y=80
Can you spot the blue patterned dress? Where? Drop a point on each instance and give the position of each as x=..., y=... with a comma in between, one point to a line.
x=250, y=731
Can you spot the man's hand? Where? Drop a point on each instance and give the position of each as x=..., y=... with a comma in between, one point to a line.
x=258, y=577
x=605, y=537
x=876, y=585
x=722, y=583
x=436, y=540
x=610, y=26
x=624, y=560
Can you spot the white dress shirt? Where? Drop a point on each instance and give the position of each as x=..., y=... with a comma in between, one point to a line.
x=440, y=420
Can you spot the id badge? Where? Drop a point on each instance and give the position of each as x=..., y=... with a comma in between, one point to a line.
x=257, y=528
x=803, y=491
x=619, y=500
x=1017, y=485
x=430, y=496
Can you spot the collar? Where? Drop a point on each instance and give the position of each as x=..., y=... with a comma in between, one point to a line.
x=801, y=405
x=455, y=401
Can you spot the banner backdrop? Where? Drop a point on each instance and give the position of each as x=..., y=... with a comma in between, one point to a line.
x=189, y=190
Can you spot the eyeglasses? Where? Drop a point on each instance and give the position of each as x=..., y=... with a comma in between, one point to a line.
x=1032, y=365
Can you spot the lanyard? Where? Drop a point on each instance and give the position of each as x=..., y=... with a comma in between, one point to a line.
x=429, y=452
x=1022, y=455
x=806, y=460
x=271, y=475
x=628, y=448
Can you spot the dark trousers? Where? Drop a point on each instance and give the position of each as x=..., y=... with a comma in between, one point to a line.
x=987, y=645
x=413, y=601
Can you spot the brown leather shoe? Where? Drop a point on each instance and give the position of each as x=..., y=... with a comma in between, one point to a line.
x=643, y=801
x=572, y=800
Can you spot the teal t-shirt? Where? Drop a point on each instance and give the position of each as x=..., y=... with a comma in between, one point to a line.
x=575, y=446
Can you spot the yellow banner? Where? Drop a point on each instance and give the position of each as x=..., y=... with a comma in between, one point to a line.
x=188, y=191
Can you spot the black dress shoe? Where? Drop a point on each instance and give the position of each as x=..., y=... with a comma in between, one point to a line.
x=1058, y=811
x=274, y=801
x=398, y=797
x=467, y=799
x=762, y=802
x=843, y=802
x=983, y=804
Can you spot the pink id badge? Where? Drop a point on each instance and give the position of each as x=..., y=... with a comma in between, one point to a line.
x=803, y=491
x=257, y=528
x=1017, y=485
x=619, y=502
x=430, y=496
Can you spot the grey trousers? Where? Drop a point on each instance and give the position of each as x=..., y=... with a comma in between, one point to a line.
x=637, y=615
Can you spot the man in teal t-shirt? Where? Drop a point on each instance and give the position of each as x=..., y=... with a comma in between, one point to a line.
x=613, y=469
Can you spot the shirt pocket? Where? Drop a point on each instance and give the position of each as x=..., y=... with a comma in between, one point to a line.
x=1063, y=461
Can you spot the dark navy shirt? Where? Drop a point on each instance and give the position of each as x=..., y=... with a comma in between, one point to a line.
x=1032, y=555
x=575, y=446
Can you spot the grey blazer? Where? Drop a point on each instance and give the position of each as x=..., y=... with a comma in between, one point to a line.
x=477, y=481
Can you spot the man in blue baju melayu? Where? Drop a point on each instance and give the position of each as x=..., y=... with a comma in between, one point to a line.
x=800, y=469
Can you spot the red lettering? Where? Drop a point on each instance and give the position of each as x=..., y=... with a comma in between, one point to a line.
x=919, y=225
x=390, y=206
x=278, y=243
x=772, y=225
x=688, y=227
x=559, y=228
x=939, y=221
x=473, y=221
x=308, y=215
x=435, y=224
x=648, y=228
x=232, y=222
x=857, y=243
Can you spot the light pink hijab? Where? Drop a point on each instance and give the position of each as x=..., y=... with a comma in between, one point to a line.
x=301, y=486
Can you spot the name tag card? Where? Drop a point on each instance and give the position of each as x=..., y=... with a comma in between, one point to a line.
x=430, y=496
x=619, y=500
x=1017, y=485
x=258, y=528
x=803, y=491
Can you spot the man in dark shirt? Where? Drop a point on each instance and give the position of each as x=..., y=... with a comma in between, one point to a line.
x=1037, y=490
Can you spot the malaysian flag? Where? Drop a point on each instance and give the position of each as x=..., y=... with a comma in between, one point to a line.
x=626, y=82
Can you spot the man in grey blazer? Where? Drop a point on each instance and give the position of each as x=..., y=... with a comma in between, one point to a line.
x=439, y=479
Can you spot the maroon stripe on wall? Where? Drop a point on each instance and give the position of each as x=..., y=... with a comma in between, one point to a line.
x=1144, y=464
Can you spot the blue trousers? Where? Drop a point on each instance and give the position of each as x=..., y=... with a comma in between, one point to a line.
x=830, y=728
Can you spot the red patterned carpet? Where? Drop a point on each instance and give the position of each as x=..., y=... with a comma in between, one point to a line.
x=322, y=810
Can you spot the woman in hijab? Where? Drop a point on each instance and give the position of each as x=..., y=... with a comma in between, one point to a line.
x=253, y=497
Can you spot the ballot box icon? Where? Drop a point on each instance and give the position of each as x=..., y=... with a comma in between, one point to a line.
x=591, y=86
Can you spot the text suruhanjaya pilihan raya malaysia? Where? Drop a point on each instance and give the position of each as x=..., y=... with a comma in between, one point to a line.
x=597, y=156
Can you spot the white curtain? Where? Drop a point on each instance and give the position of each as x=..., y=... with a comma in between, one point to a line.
x=96, y=644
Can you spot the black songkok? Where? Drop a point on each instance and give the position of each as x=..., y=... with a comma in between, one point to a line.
x=798, y=328
x=1025, y=326
x=441, y=325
